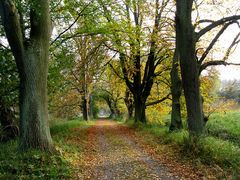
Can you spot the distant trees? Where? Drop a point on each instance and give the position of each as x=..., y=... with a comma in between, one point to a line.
x=230, y=90
x=78, y=55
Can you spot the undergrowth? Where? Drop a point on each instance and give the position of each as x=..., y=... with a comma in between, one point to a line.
x=39, y=165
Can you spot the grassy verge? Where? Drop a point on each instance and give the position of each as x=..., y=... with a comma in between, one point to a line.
x=217, y=156
x=38, y=165
x=225, y=126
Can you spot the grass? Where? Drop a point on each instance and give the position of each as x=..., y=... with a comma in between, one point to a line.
x=225, y=126
x=161, y=132
x=222, y=152
x=218, y=148
x=39, y=165
x=33, y=164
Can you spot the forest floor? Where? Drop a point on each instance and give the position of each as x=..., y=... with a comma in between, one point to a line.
x=115, y=151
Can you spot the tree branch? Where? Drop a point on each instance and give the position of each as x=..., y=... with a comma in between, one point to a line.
x=215, y=24
x=216, y=63
x=72, y=24
x=4, y=47
x=158, y=101
x=12, y=26
x=125, y=72
x=115, y=71
x=213, y=42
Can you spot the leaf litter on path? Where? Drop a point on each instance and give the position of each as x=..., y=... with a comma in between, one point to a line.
x=112, y=153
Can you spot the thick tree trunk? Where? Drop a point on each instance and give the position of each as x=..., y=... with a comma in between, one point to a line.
x=34, y=128
x=140, y=110
x=186, y=42
x=176, y=89
x=31, y=57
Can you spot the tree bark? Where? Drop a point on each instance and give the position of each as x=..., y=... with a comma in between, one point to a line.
x=176, y=89
x=140, y=109
x=90, y=109
x=129, y=102
x=34, y=128
x=85, y=99
x=31, y=57
x=85, y=109
x=185, y=39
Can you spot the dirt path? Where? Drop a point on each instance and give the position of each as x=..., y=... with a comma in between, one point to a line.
x=112, y=153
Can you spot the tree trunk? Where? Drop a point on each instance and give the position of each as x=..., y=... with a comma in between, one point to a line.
x=109, y=103
x=130, y=107
x=90, y=105
x=185, y=39
x=34, y=128
x=128, y=99
x=85, y=109
x=115, y=108
x=176, y=89
x=31, y=56
x=140, y=110
x=85, y=92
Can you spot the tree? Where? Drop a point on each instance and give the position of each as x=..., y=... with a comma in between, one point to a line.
x=111, y=88
x=78, y=36
x=31, y=56
x=139, y=51
x=230, y=90
x=191, y=66
x=176, y=91
x=128, y=99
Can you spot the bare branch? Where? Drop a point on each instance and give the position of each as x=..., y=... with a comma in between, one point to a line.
x=4, y=47
x=216, y=63
x=158, y=101
x=215, y=24
x=72, y=24
x=115, y=71
x=213, y=42
x=234, y=42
